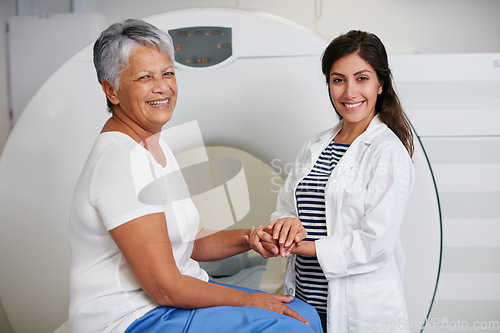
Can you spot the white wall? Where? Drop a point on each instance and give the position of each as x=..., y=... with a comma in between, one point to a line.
x=28, y=71
x=423, y=26
x=7, y=8
x=35, y=7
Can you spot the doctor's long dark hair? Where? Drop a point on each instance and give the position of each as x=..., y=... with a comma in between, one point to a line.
x=369, y=47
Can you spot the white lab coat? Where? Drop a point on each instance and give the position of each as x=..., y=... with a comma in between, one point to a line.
x=361, y=255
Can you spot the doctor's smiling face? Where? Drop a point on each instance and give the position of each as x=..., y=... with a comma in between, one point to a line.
x=354, y=88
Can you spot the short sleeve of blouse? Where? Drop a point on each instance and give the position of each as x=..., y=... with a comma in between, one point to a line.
x=121, y=173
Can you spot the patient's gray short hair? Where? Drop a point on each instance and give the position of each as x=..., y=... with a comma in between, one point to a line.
x=114, y=46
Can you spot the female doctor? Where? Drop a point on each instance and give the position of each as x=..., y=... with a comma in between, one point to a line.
x=349, y=188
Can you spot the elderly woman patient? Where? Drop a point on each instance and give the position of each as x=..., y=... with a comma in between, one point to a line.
x=133, y=258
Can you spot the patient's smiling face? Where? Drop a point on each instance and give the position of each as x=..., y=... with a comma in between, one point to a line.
x=147, y=91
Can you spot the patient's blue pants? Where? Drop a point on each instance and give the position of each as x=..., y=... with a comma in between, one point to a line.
x=222, y=319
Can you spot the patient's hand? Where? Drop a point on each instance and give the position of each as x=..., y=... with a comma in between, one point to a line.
x=266, y=247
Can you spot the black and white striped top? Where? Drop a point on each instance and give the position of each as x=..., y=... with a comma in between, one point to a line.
x=311, y=284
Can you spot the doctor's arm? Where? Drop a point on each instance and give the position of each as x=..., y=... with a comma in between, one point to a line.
x=368, y=246
x=145, y=244
x=376, y=218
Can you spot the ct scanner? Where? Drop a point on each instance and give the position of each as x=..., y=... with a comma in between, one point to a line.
x=255, y=100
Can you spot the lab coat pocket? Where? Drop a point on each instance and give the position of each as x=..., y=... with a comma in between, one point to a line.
x=376, y=307
x=352, y=208
x=354, y=193
x=354, y=187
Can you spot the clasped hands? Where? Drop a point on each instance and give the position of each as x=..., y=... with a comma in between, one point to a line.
x=280, y=237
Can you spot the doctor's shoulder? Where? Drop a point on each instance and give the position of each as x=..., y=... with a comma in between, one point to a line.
x=388, y=145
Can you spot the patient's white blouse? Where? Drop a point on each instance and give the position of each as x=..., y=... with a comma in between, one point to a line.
x=121, y=181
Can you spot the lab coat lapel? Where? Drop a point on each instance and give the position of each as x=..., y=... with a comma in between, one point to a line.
x=351, y=156
x=341, y=170
x=322, y=141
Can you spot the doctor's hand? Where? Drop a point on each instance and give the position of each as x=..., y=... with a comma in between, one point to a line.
x=288, y=232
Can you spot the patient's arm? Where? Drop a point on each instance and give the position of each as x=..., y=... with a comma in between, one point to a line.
x=145, y=244
x=213, y=245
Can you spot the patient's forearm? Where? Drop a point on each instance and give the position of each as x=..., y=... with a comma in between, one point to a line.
x=220, y=245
